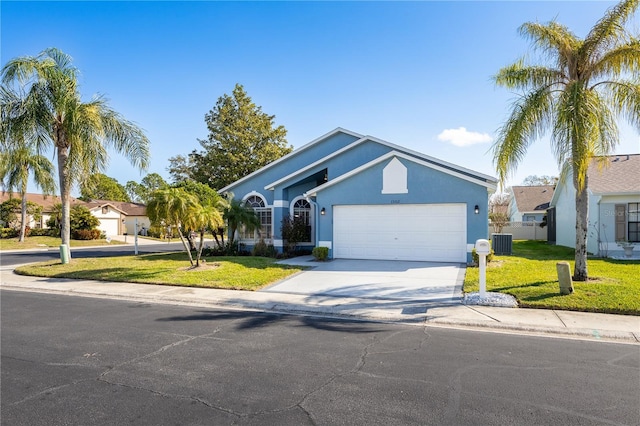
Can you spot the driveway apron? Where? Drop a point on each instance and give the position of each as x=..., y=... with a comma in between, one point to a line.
x=375, y=279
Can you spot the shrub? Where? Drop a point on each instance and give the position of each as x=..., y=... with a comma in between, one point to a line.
x=8, y=233
x=260, y=249
x=42, y=232
x=271, y=251
x=294, y=230
x=320, y=253
x=476, y=258
x=85, y=234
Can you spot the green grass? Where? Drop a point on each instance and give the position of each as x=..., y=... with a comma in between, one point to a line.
x=47, y=242
x=237, y=273
x=530, y=276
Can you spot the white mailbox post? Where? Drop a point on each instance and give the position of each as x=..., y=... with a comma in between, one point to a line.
x=483, y=248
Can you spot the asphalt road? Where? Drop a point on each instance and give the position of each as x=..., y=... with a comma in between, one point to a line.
x=29, y=256
x=81, y=361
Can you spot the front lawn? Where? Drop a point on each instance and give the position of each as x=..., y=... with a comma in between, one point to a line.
x=47, y=242
x=530, y=276
x=237, y=273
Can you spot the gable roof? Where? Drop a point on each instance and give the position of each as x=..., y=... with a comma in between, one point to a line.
x=440, y=164
x=129, y=209
x=46, y=201
x=532, y=198
x=491, y=183
x=292, y=154
x=620, y=174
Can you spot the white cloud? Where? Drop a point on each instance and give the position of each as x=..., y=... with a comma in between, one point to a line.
x=463, y=137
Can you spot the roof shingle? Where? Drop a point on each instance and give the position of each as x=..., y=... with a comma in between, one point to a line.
x=618, y=174
x=533, y=198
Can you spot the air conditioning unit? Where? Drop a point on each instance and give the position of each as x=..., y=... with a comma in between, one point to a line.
x=502, y=243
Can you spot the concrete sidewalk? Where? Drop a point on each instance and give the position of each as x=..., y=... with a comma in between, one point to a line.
x=620, y=328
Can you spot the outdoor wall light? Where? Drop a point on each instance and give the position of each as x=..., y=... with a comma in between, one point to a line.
x=323, y=211
x=476, y=209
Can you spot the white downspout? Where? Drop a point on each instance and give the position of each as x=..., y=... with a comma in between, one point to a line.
x=316, y=230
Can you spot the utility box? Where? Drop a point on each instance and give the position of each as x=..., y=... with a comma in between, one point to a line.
x=483, y=247
x=564, y=278
x=502, y=243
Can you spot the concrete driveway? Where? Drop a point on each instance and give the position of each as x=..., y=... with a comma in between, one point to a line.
x=375, y=279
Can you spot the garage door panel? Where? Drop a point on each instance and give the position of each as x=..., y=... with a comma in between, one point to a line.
x=424, y=232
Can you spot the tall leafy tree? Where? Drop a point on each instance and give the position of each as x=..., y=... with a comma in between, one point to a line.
x=576, y=93
x=141, y=192
x=535, y=180
x=103, y=187
x=181, y=168
x=242, y=139
x=135, y=191
x=80, y=132
x=20, y=157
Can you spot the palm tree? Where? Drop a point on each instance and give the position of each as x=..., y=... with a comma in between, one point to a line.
x=176, y=208
x=577, y=96
x=237, y=215
x=18, y=160
x=80, y=132
x=16, y=166
x=203, y=218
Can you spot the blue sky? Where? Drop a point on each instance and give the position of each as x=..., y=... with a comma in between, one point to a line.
x=417, y=74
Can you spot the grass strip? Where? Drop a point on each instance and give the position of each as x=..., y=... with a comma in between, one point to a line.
x=530, y=276
x=237, y=273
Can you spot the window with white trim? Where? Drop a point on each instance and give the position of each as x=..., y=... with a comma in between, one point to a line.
x=264, y=214
x=302, y=211
x=633, y=215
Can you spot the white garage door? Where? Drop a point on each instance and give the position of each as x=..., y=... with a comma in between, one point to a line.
x=423, y=232
x=109, y=226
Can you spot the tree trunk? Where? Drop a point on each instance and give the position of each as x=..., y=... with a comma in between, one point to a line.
x=582, y=223
x=65, y=191
x=200, y=247
x=186, y=245
x=23, y=217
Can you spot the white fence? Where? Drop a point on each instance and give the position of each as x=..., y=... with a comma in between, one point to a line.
x=522, y=230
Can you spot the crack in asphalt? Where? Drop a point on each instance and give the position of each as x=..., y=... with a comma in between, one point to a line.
x=50, y=390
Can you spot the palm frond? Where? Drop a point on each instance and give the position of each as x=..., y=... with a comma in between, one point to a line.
x=624, y=59
x=529, y=118
x=609, y=30
x=554, y=40
x=625, y=100
x=519, y=76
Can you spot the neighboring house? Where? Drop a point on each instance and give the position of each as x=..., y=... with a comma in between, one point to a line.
x=119, y=217
x=529, y=203
x=47, y=202
x=365, y=198
x=116, y=217
x=614, y=204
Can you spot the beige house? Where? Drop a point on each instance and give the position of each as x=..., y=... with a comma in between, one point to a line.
x=116, y=217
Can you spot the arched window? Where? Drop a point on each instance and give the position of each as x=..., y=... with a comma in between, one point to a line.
x=258, y=204
x=302, y=211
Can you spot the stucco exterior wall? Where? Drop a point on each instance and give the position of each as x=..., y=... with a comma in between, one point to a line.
x=425, y=186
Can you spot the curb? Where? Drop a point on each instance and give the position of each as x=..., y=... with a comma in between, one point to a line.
x=279, y=307
x=604, y=335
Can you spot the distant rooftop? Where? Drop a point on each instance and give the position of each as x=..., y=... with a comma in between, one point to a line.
x=533, y=198
x=619, y=174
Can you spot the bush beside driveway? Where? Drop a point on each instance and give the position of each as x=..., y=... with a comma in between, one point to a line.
x=530, y=276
